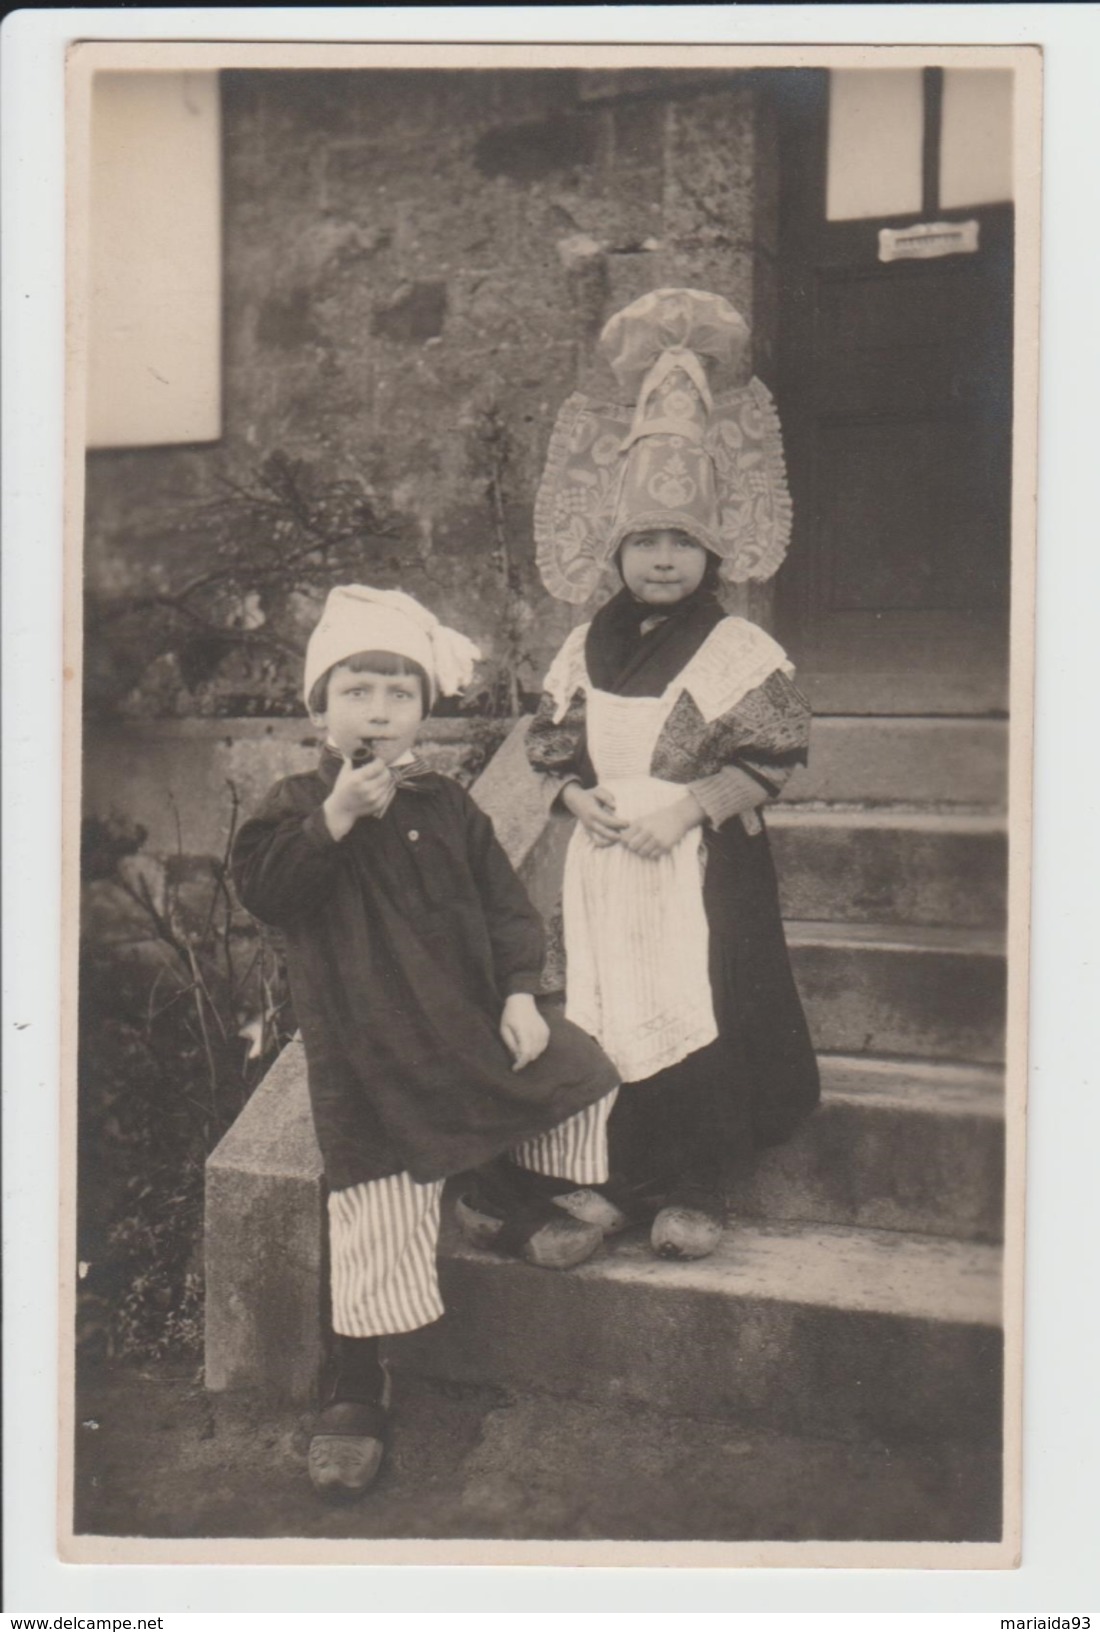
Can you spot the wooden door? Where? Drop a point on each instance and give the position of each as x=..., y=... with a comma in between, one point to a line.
x=895, y=392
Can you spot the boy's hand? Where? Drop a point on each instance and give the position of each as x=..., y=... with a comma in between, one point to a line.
x=365, y=790
x=656, y=834
x=594, y=808
x=525, y=1032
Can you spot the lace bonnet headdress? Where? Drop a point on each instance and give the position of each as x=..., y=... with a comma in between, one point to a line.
x=683, y=450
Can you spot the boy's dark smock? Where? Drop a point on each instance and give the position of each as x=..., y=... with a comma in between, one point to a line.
x=403, y=941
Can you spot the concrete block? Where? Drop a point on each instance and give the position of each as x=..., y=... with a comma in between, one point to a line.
x=893, y=989
x=858, y=1334
x=895, y=1145
x=887, y=866
x=264, y=1241
x=509, y=791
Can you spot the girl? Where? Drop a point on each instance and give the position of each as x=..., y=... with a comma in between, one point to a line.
x=414, y=953
x=664, y=726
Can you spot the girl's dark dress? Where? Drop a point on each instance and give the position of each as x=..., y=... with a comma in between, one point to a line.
x=403, y=941
x=703, y=1119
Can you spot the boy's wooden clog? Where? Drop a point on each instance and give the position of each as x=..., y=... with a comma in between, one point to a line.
x=545, y=1236
x=347, y=1448
x=593, y=1208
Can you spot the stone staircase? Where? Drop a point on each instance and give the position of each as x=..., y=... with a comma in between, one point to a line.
x=858, y=1295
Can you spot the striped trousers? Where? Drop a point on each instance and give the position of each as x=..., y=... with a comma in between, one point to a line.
x=383, y=1235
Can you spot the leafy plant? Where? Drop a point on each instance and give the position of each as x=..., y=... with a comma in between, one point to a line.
x=270, y=545
x=226, y=635
x=180, y=1015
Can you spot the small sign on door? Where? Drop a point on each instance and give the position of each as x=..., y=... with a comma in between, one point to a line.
x=927, y=241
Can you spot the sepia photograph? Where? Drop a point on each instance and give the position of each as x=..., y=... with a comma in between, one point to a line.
x=550, y=556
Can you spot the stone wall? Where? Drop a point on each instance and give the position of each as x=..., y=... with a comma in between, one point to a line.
x=178, y=779
x=416, y=266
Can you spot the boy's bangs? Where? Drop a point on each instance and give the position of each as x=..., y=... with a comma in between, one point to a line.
x=382, y=663
x=372, y=662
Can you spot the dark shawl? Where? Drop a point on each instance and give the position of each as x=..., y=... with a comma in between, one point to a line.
x=620, y=658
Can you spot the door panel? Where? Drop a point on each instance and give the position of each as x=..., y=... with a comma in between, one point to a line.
x=894, y=390
x=903, y=523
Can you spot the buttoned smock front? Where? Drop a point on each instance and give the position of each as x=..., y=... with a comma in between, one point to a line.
x=403, y=941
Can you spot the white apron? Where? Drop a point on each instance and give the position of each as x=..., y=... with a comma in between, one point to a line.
x=636, y=936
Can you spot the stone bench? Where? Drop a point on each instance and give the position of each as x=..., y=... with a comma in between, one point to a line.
x=265, y=1241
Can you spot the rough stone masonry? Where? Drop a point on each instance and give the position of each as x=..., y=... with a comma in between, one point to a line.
x=416, y=265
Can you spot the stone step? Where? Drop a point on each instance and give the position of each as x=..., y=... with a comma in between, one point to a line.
x=920, y=761
x=858, y=1334
x=895, y=1145
x=883, y=989
x=857, y=864
x=890, y=866
x=178, y=778
x=854, y=760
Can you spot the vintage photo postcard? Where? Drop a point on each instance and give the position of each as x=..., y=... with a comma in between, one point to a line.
x=550, y=553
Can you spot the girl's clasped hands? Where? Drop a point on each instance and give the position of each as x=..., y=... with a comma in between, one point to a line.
x=649, y=836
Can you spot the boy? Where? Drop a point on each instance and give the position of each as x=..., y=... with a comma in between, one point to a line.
x=414, y=954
